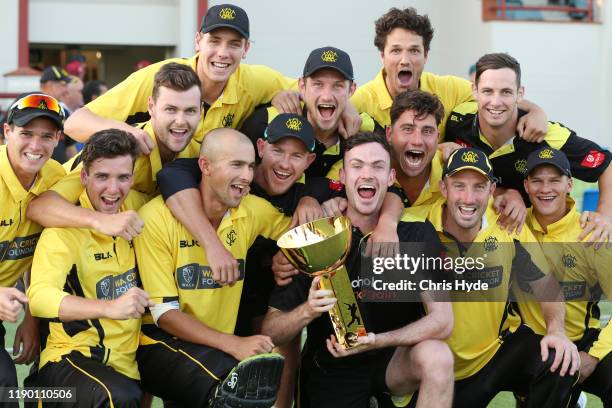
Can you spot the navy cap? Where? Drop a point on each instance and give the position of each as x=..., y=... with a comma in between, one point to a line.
x=329, y=57
x=55, y=73
x=226, y=15
x=548, y=155
x=32, y=105
x=468, y=158
x=290, y=125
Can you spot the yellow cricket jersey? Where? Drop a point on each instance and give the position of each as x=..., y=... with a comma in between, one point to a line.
x=173, y=265
x=374, y=98
x=583, y=273
x=480, y=325
x=83, y=262
x=19, y=235
x=247, y=87
x=145, y=170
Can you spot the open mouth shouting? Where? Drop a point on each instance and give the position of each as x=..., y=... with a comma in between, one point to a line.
x=414, y=158
x=326, y=110
x=110, y=201
x=404, y=77
x=366, y=191
x=467, y=211
x=239, y=190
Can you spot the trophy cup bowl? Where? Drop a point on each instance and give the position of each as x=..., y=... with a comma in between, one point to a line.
x=319, y=248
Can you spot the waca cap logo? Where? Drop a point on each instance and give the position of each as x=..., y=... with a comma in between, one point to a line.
x=43, y=105
x=294, y=124
x=521, y=166
x=469, y=157
x=546, y=154
x=227, y=13
x=329, y=56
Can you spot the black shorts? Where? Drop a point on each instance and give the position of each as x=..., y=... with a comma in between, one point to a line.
x=96, y=383
x=8, y=373
x=600, y=381
x=327, y=382
x=180, y=372
x=517, y=366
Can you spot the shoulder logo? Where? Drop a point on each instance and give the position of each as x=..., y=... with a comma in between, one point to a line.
x=569, y=261
x=329, y=56
x=469, y=157
x=546, y=154
x=227, y=13
x=231, y=237
x=521, y=166
x=228, y=120
x=490, y=243
x=294, y=124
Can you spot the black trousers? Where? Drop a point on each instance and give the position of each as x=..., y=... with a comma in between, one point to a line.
x=600, y=381
x=182, y=373
x=96, y=383
x=8, y=373
x=517, y=366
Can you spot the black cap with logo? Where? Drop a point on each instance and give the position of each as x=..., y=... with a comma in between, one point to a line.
x=32, y=105
x=55, y=73
x=548, y=155
x=468, y=158
x=329, y=57
x=290, y=125
x=226, y=15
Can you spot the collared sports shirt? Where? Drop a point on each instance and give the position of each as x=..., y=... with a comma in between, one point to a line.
x=146, y=168
x=583, y=273
x=247, y=87
x=85, y=263
x=374, y=98
x=173, y=265
x=480, y=326
x=587, y=159
x=18, y=234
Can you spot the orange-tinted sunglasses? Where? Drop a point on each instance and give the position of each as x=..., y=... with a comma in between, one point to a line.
x=38, y=101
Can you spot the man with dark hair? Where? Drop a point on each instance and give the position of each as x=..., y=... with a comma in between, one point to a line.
x=404, y=349
x=189, y=354
x=490, y=124
x=32, y=130
x=493, y=350
x=174, y=107
x=403, y=38
x=582, y=271
x=86, y=287
x=93, y=89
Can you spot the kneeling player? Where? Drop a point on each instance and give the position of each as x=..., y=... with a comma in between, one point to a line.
x=86, y=285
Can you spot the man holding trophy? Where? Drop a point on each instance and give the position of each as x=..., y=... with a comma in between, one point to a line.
x=404, y=349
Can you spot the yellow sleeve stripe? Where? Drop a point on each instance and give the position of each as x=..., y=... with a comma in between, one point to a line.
x=466, y=108
x=557, y=135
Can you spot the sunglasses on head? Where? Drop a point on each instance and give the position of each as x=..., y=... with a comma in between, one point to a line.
x=37, y=101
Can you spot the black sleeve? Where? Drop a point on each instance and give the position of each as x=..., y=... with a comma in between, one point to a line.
x=587, y=159
x=398, y=191
x=289, y=297
x=323, y=189
x=378, y=128
x=255, y=125
x=523, y=267
x=178, y=175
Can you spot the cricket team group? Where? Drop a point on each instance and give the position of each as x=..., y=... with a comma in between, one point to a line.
x=147, y=265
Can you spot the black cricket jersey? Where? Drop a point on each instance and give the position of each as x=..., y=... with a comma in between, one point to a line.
x=587, y=159
x=379, y=317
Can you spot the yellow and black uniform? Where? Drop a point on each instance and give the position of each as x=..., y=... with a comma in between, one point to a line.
x=255, y=126
x=374, y=99
x=587, y=159
x=176, y=275
x=102, y=268
x=493, y=351
x=583, y=274
x=247, y=87
x=146, y=168
x=18, y=236
x=326, y=381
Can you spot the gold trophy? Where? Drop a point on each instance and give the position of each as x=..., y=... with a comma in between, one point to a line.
x=319, y=248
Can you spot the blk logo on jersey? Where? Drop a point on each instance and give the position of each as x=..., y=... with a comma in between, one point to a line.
x=593, y=160
x=6, y=223
x=188, y=244
x=102, y=256
x=195, y=276
x=111, y=287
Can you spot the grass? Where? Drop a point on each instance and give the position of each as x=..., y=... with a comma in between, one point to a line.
x=503, y=399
